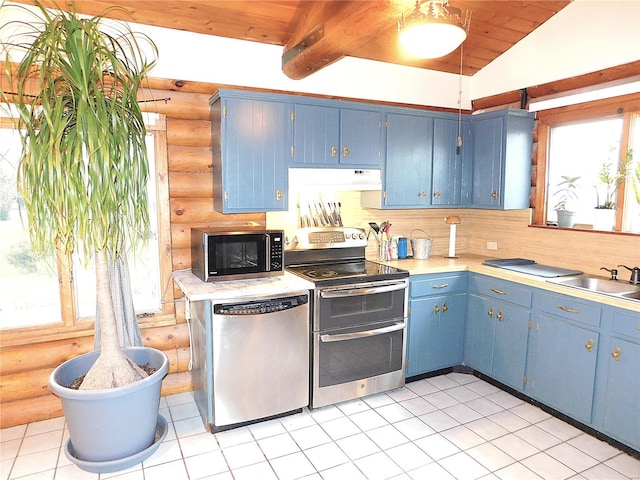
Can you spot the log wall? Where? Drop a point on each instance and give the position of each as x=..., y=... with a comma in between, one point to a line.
x=27, y=360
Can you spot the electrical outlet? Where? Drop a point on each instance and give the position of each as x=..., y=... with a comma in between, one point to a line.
x=492, y=245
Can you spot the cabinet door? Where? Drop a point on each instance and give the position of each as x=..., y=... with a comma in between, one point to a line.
x=447, y=340
x=436, y=332
x=407, y=173
x=480, y=334
x=622, y=392
x=316, y=135
x=255, y=147
x=448, y=163
x=564, y=363
x=360, y=137
x=510, y=344
x=419, y=321
x=487, y=161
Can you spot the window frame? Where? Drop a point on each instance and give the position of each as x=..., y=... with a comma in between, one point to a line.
x=626, y=106
x=73, y=327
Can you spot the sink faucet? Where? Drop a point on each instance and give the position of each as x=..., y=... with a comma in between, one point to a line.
x=635, y=274
x=613, y=271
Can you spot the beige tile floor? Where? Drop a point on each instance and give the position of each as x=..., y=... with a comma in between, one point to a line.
x=453, y=426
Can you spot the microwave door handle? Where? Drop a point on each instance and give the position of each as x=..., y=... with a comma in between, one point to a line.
x=355, y=292
x=267, y=253
x=369, y=333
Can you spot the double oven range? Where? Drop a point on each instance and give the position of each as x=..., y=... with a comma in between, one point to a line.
x=359, y=314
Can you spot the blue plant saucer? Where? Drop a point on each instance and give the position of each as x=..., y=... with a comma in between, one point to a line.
x=121, y=463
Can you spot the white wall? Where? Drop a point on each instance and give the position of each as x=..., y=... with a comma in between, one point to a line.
x=235, y=62
x=584, y=37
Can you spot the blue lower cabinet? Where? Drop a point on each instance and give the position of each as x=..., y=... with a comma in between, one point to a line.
x=564, y=351
x=576, y=356
x=496, y=339
x=436, y=323
x=497, y=335
x=510, y=345
x=617, y=398
x=479, y=335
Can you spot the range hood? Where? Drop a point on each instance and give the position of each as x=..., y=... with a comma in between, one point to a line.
x=335, y=178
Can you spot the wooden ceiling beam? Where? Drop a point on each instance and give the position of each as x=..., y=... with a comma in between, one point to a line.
x=619, y=72
x=330, y=30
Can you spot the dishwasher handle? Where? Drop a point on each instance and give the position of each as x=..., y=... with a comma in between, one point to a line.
x=368, y=333
x=356, y=292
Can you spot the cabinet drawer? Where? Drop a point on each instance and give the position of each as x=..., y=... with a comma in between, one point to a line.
x=424, y=285
x=501, y=289
x=626, y=323
x=571, y=309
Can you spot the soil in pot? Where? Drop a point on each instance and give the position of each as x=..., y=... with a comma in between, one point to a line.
x=75, y=385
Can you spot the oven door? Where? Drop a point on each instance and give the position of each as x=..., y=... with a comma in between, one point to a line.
x=347, y=306
x=353, y=362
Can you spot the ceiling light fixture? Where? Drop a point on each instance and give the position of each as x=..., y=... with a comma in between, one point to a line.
x=435, y=33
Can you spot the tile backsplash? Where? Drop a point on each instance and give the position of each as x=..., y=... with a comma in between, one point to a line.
x=508, y=231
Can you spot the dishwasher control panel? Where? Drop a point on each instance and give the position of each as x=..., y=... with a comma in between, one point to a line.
x=260, y=307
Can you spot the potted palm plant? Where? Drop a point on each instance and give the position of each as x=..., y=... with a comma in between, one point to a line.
x=83, y=174
x=567, y=195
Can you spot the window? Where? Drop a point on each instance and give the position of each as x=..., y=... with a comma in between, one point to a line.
x=29, y=292
x=40, y=292
x=581, y=156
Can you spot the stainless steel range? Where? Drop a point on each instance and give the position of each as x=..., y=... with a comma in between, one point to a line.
x=359, y=314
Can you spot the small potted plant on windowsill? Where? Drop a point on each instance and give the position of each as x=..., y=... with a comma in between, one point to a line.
x=567, y=194
x=609, y=180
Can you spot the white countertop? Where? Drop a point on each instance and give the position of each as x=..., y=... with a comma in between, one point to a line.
x=473, y=263
x=195, y=289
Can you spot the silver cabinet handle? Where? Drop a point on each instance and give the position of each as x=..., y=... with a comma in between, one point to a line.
x=442, y=285
x=356, y=335
x=499, y=292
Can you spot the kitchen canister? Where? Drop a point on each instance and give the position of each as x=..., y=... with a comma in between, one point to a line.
x=420, y=246
x=402, y=247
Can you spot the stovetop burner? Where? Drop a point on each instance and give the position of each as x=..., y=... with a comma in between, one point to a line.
x=347, y=272
x=335, y=255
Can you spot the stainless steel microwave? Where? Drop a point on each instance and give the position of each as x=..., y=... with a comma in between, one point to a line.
x=219, y=255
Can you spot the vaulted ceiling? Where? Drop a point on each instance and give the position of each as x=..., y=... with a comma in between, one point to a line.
x=356, y=28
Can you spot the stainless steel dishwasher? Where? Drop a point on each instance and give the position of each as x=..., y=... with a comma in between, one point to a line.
x=250, y=358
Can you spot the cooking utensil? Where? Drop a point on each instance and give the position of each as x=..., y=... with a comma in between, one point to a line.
x=376, y=230
x=339, y=213
x=325, y=214
x=313, y=215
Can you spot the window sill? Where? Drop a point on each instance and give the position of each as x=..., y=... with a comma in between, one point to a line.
x=586, y=230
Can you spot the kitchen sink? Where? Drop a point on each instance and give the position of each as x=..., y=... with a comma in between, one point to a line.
x=616, y=288
x=632, y=295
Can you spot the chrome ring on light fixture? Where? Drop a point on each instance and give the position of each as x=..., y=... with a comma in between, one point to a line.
x=435, y=33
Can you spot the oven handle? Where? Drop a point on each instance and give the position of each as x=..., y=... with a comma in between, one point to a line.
x=355, y=292
x=369, y=333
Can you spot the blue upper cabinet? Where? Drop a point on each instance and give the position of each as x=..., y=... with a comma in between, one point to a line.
x=502, y=148
x=451, y=176
x=331, y=135
x=316, y=136
x=361, y=134
x=252, y=138
x=407, y=170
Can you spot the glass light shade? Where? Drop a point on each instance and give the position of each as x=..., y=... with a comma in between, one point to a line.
x=431, y=39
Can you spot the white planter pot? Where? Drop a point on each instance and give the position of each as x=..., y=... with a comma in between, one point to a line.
x=604, y=219
x=566, y=218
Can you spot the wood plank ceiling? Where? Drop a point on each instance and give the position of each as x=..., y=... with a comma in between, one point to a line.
x=356, y=28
